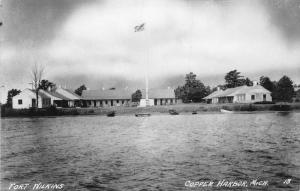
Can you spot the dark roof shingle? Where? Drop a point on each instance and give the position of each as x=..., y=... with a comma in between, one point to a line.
x=237, y=90
x=40, y=94
x=159, y=93
x=125, y=94
x=105, y=94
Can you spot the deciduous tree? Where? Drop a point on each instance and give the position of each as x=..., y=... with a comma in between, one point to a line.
x=79, y=90
x=45, y=84
x=266, y=83
x=233, y=79
x=193, y=90
x=37, y=72
x=284, y=90
x=11, y=93
x=136, y=96
x=248, y=82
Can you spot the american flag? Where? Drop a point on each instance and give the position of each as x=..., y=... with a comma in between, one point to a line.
x=139, y=28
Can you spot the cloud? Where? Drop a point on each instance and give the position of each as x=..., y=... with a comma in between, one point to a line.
x=97, y=39
x=36, y=20
x=179, y=37
x=285, y=14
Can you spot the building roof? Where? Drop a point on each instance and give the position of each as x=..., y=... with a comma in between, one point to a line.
x=125, y=94
x=252, y=89
x=73, y=93
x=41, y=94
x=159, y=93
x=58, y=95
x=50, y=94
x=106, y=94
x=238, y=90
x=69, y=94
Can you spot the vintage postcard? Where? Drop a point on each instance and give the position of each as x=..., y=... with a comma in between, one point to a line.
x=167, y=95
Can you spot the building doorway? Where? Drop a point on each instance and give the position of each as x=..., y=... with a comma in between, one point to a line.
x=33, y=103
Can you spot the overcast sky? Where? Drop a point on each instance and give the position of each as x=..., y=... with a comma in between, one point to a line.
x=92, y=41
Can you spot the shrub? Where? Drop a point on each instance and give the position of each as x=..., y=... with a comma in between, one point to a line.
x=264, y=102
x=236, y=108
x=226, y=107
x=74, y=112
x=91, y=111
x=281, y=107
x=52, y=110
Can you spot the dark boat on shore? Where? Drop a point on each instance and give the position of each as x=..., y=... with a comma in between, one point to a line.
x=111, y=114
x=194, y=112
x=173, y=112
x=283, y=113
x=142, y=114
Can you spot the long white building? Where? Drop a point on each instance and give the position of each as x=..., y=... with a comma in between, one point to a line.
x=241, y=94
x=60, y=98
x=109, y=98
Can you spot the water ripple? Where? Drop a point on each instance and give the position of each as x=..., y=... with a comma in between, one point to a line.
x=156, y=153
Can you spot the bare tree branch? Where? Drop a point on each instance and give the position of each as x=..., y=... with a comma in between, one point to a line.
x=37, y=72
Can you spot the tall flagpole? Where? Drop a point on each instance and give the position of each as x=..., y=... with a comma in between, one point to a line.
x=147, y=88
x=147, y=65
x=141, y=28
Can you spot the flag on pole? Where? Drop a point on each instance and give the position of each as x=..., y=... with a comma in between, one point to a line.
x=139, y=28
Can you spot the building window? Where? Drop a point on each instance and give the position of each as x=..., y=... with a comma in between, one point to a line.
x=20, y=102
x=252, y=97
x=240, y=97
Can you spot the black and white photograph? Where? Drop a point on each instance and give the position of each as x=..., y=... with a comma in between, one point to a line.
x=150, y=95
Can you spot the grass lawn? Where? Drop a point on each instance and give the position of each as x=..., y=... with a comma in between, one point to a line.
x=181, y=108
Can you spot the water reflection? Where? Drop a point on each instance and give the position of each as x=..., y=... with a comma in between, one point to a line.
x=159, y=152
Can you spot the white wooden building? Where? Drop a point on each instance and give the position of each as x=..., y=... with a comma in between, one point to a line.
x=106, y=98
x=160, y=97
x=68, y=95
x=59, y=98
x=27, y=99
x=241, y=94
x=109, y=98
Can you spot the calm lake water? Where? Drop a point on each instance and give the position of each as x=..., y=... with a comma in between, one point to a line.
x=160, y=152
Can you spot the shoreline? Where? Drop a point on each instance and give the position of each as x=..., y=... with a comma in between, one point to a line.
x=200, y=108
